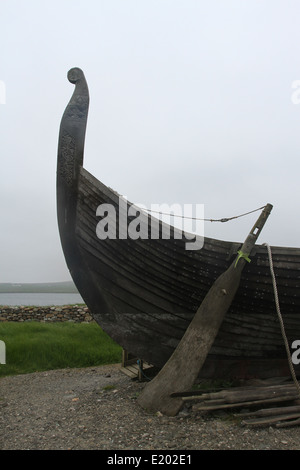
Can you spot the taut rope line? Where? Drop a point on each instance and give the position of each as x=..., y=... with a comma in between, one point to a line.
x=225, y=219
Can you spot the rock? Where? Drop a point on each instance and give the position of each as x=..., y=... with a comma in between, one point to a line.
x=42, y=314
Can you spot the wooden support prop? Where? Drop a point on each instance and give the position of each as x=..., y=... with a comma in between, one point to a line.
x=181, y=370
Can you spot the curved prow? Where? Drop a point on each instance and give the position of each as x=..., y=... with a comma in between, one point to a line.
x=69, y=163
x=70, y=160
x=72, y=131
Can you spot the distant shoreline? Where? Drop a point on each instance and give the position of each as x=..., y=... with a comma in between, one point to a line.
x=67, y=287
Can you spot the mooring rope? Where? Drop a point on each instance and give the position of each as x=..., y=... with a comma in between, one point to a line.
x=141, y=369
x=224, y=219
x=281, y=319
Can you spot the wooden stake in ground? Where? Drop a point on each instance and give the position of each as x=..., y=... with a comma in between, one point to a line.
x=181, y=370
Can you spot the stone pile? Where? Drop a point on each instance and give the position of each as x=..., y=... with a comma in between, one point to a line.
x=73, y=313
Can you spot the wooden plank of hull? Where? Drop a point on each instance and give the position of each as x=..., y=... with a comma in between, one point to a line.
x=253, y=331
x=144, y=293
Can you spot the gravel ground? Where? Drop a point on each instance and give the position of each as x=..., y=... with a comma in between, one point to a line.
x=96, y=409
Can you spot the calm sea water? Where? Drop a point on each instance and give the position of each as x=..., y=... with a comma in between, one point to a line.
x=18, y=299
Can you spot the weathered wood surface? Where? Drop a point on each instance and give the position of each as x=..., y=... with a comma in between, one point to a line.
x=288, y=423
x=265, y=412
x=277, y=417
x=284, y=416
x=144, y=293
x=269, y=397
x=183, y=367
x=239, y=395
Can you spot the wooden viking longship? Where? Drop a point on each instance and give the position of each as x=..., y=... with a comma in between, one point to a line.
x=144, y=292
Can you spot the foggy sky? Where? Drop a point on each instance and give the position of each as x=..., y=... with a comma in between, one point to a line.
x=192, y=102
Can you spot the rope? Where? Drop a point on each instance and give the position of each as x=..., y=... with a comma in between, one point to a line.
x=281, y=319
x=225, y=219
x=141, y=369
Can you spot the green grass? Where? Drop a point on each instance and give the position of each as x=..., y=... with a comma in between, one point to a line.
x=34, y=346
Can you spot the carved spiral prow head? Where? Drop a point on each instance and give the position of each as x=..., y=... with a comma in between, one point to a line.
x=72, y=134
x=75, y=74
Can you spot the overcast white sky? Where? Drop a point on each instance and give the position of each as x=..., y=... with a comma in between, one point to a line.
x=191, y=103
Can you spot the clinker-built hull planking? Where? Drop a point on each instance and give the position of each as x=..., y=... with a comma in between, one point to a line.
x=145, y=292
